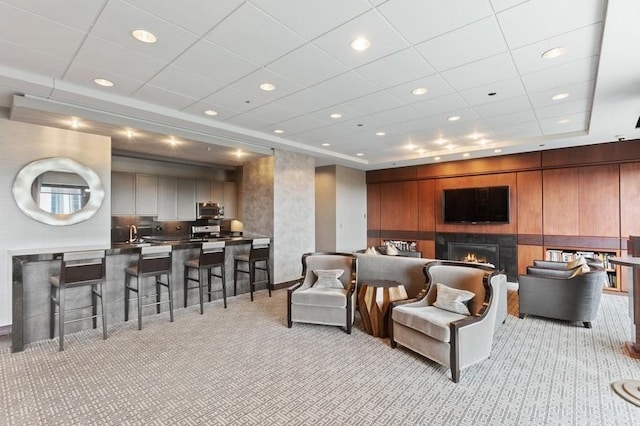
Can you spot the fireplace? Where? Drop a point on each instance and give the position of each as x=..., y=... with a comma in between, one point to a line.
x=474, y=252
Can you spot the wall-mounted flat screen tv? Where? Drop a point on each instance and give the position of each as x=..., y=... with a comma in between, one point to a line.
x=476, y=205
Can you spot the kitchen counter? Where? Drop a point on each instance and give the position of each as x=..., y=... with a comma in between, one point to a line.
x=32, y=268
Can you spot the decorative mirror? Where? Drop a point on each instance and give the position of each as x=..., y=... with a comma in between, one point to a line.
x=58, y=191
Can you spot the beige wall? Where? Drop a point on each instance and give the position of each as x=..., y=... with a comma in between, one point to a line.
x=20, y=144
x=326, y=208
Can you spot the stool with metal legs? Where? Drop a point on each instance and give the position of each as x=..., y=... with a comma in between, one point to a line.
x=154, y=261
x=259, y=253
x=211, y=256
x=82, y=268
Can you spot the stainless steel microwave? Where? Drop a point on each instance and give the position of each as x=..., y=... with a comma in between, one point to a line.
x=209, y=210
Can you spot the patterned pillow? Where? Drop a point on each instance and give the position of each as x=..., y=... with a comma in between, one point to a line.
x=328, y=278
x=371, y=250
x=392, y=250
x=452, y=299
x=579, y=270
x=579, y=261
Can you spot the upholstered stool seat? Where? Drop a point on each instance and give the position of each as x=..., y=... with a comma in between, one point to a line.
x=212, y=255
x=259, y=254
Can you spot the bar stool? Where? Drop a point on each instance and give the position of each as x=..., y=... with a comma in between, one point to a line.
x=81, y=268
x=211, y=256
x=154, y=261
x=259, y=253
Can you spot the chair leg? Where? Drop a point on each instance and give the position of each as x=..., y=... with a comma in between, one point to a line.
x=587, y=324
x=201, y=291
x=186, y=284
x=170, y=289
x=235, y=277
x=224, y=285
x=127, y=283
x=104, y=312
x=521, y=315
x=61, y=317
x=455, y=375
x=52, y=311
x=158, y=295
x=94, y=305
x=252, y=277
x=139, y=293
x=268, y=277
x=209, y=272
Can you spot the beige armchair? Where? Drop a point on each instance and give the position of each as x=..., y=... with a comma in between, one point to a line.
x=453, y=339
x=326, y=292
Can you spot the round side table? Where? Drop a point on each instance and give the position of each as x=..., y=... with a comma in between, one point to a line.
x=374, y=299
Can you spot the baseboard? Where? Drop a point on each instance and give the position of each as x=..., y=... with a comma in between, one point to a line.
x=5, y=330
x=282, y=285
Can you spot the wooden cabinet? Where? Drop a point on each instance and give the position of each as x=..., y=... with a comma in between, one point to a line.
x=134, y=194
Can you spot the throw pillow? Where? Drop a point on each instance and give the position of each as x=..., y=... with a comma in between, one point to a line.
x=579, y=270
x=371, y=250
x=579, y=261
x=328, y=278
x=392, y=250
x=452, y=299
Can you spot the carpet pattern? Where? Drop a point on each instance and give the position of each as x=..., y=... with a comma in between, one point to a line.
x=243, y=366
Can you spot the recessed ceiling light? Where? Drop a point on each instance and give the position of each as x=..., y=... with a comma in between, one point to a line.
x=483, y=141
x=381, y=133
x=173, y=141
x=75, y=124
x=440, y=141
x=359, y=154
x=211, y=112
x=563, y=121
x=130, y=134
x=436, y=158
x=144, y=36
x=326, y=144
x=360, y=44
x=560, y=96
x=419, y=91
x=336, y=115
x=466, y=154
x=454, y=118
x=554, y=53
x=239, y=153
x=497, y=150
x=451, y=146
x=278, y=131
x=475, y=135
x=267, y=87
x=410, y=146
x=422, y=151
x=103, y=82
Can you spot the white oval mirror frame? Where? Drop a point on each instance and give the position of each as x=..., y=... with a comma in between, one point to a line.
x=23, y=195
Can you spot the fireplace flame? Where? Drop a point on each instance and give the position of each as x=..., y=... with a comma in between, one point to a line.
x=471, y=257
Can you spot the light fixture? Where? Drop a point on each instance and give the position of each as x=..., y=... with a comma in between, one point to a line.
x=326, y=144
x=103, y=82
x=359, y=154
x=75, y=124
x=497, y=150
x=554, y=53
x=239, y=153
x=440, y=141
x=453, y=118
x=211, y=112
x=422, y=151
x=466, y=154
x=483, y=141
x=451, y=146
x=173, y=141
x=267, y=87
x=144, y=36
x=130, y=134
x=381, y=133
x=360, y=44
x=475, y=135
x=278, y=131
x=563, y=121
x=410, y=146
x=419, y=91
x=336, y=115
x=436, y=158
x=560, y=96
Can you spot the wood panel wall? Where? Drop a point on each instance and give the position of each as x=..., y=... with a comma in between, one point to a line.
x=529, y=187
x=629, y=199
x=599, y=200
x=399, y=206
x=560, y=201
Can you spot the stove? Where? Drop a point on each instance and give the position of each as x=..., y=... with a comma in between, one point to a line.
x=205, y=231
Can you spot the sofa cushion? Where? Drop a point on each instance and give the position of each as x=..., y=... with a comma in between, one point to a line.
x=333, y=297
x=328, y=278
x=452, y=299
x=429, y=320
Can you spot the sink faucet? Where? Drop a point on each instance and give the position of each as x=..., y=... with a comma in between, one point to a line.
x=133, y=231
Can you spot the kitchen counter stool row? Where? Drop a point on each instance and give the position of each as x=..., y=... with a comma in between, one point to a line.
x=87, y=268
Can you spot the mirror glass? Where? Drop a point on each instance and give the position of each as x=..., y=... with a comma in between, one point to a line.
x=58, y=191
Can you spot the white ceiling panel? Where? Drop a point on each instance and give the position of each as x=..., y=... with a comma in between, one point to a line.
x=196, y=16
x=581, y=43
x=215, y=63
x=395, y=115
x=504, y=106
x=35, y=32
x=346, y=86
x=503, y=90
x=252, y=34
x=562, y=75
x=272, y=113
x=78, y=14
x=306, y=101
x=299, y=124
x=579, y=90
x=420, y=20
x=182, y=81
x=251, y=85
x=83, y=75
x=21, y=58
x=308, y=65
x=373, y=103
x=452, y=102
x=577, y=122
x=537, y=20
x=481, y=73
x=234, y=99
x=119, y=19
x=473, y=42
x=248, y=121
x=499, y=5
x=518, y=131
x=99, y=54
x=499, y=121
x=199, y=108
x=564, y=109
x=312, y=18
x=384, y=40
x=158, y=95
x=397, y=68
x=435, y=85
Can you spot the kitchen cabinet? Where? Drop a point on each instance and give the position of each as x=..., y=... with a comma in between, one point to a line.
x=209, y=190
x=134, y=194
x=176, y=198
x=186, y=199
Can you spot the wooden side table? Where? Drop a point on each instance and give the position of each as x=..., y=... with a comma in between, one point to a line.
x=374, y=299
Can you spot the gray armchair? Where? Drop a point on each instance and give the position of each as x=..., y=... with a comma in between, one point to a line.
x=452, y=339
x=552, y=293
x=312, y=302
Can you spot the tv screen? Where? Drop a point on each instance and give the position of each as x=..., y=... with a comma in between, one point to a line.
x=476, y=205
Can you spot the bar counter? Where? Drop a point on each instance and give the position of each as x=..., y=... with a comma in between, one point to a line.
x=33, y=267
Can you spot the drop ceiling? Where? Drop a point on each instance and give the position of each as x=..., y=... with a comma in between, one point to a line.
x=478, y=60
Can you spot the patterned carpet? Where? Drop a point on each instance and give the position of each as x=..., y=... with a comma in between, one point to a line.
x=243, y=366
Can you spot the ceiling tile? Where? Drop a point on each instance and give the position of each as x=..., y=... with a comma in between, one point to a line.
x=395, y=115
x=504, y=106
x=563, y=110
x=533, y=21
x=517, y=131
x=157, y=95
x=581, y=43
x=384, y=40
x=499, y=5
x=581, y=90
x=83, y=75
x=397, y=68
x=373, y=103
x=182, y=81
x=434, y=84
x=481, y=73
x=507, y=120
x=273, y=113
x=119, y=19
x=305, y=101
x=308, y=65
x=98, y=53
x=577, y=122
x=199, y=108
x=300, y=124
x=420, y=20
x=249, y=121
x=347, y=113
x=78, y=14
x=31, y=60
x=346, y=86
x=213, y=62
x=561, y=75
x=251, y=34
x=451, y=102
x=196, y=16
x=503, y=90
x=234, y=99
x=475, y=41
x=312, y=18
x=250, y=84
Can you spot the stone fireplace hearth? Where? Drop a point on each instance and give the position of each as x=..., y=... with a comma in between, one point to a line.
x=500, y=250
